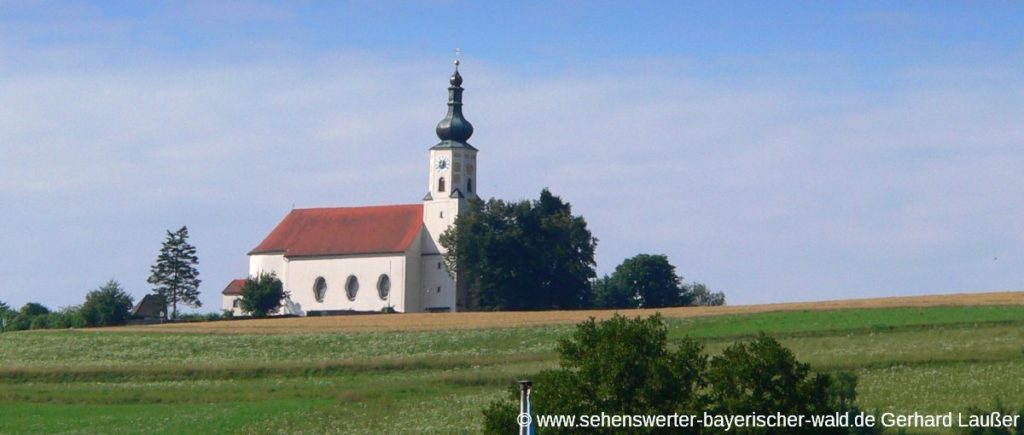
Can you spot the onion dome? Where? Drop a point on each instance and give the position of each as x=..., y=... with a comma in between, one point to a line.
x=454, y=130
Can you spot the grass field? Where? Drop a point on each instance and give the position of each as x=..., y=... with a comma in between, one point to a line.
x=342, y=377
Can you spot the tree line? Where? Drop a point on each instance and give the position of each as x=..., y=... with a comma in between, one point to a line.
x=175, y=280
x=537, y=255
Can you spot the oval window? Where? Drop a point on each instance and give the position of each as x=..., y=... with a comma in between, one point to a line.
x=319, y=289
x=384, y=286
x=351, y=287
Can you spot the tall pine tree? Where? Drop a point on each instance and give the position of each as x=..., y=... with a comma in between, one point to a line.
x=174, y=276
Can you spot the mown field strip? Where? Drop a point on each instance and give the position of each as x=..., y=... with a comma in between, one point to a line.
x=477, y=320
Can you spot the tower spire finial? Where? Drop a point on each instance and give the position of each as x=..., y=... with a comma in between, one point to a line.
x=454, y=128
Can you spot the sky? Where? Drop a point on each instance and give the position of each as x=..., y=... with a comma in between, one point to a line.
x=775, y=151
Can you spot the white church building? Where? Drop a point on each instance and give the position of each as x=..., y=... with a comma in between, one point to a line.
x=360, y=259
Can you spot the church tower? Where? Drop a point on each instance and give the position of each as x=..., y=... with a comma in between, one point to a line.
x=451, y=183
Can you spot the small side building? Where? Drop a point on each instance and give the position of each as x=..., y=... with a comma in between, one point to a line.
x=150, y=309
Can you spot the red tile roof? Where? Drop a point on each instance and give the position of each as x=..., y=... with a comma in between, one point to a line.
x=234, y=288
x=345, y=230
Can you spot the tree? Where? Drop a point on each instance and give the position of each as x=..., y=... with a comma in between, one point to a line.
x=644, y=280
x=33, y=309
x=609, y=293
x=6, y=316
x=521, y=255
x=764, y=376
x=624, y=366
x=106, y=306
x=174, y=276
x=262, y=294
x=617, y=366
x=702, y=296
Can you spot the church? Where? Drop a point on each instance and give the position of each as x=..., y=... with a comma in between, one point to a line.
x=380, y=258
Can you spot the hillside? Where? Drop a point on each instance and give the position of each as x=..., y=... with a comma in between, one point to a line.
x=433, y=373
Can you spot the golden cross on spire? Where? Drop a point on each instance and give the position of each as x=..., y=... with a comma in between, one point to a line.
x=458, y=54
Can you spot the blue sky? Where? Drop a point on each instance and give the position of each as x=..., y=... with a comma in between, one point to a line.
x=776, y=151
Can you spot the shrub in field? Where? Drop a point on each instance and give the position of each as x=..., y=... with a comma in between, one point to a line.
x=20, y=322
x=38, y=322
x=57, y=321
x=262, y=294
x=762, y=375
x=107, y=306
x=624, y=367
x=201, y=317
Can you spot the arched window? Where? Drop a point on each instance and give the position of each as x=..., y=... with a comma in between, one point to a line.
x=383, y=286
x=351, y=287
x=440, y=184
x=319, y=288
x=469, y=185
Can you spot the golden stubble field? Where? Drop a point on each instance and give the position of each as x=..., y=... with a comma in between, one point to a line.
x=476, y=320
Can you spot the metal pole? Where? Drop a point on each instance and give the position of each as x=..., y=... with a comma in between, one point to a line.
x=524, y=412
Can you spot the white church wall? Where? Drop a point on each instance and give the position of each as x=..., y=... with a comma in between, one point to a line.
x=367, y=270
x=438, y=288
x=269, y=263
x=413, y=300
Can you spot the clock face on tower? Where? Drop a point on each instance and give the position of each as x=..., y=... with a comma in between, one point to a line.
x=442, y=163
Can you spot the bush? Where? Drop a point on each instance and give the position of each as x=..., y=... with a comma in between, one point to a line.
x=58, y=321
x=262, y=295
x=763, y=376
x=21, y=322
x=624, y=367
x=38, y=322
x=108, y=305
x=67, y=317
x=199, y=317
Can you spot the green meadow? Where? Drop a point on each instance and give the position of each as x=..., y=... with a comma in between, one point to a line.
x=931, y=360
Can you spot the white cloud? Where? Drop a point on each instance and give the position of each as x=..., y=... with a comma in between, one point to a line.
x=758, y=190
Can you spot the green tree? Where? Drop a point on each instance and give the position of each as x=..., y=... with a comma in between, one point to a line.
x=617, y=366
x=702, y=296
x=34, y=309
x=609, y=293
x=521, y=255
x=649, y=281
x=763, y=376
x=107, y=306
x=625, y=366
x=174, y=276
x=262, y=294
x=6, y=316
